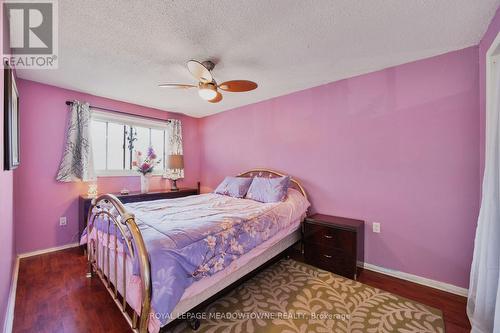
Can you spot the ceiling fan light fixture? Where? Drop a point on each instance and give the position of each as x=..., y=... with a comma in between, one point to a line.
x=207, y=91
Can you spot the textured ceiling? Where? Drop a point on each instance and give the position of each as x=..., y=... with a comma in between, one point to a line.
x=123, y=49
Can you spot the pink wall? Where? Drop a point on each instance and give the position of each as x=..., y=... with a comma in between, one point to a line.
x=399, y=146
x=40, y=199
x=484, y=45
x=7, y=252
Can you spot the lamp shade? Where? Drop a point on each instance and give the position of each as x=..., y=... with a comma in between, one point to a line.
x=175, y=162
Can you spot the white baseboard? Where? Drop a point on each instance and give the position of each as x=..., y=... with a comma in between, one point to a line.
x=52, y=249
x=416, y=279
x=9, y=314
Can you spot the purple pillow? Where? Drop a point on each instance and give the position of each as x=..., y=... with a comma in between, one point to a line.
x=268, y=189
x=235, y=187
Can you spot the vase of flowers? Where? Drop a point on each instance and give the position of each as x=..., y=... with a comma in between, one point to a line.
x=145, y=166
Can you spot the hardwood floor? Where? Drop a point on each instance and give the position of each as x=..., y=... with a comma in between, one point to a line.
x=53, y=295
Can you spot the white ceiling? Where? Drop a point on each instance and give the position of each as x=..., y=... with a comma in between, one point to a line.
x=123, y=49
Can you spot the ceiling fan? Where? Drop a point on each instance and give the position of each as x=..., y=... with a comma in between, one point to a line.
x=208, y=89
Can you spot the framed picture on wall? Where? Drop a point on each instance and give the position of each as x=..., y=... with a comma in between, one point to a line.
x=11, y=120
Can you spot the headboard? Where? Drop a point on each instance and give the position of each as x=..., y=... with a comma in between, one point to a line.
x=272, y=174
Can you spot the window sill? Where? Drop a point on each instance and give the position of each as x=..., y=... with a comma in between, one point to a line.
x=128, y=173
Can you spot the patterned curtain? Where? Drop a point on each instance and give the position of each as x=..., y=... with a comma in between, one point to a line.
x=77, y=163
x=174, y=132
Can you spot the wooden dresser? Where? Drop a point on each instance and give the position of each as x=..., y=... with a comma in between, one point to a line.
x=334, y=243
x=84, y=202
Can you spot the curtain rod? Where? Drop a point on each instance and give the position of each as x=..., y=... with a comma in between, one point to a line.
x=121, y=112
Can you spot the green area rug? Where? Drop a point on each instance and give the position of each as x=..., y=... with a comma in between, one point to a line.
x=294, y=297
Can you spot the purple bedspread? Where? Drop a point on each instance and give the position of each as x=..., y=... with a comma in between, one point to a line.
x=193, y=237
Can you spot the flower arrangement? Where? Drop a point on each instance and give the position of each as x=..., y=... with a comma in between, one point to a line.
x=146, y=165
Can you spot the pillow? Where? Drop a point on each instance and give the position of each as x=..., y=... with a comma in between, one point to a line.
x=235, y=187
x=268, y=189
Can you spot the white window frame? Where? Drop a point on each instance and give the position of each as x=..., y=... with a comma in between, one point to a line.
x=129, y=121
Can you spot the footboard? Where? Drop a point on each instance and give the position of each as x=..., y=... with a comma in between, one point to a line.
x=117, y=228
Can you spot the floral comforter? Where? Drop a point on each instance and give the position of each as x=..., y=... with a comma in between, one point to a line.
x=197, y=236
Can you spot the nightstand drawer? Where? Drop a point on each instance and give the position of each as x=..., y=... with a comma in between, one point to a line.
x=332, y=238
x=336, y=261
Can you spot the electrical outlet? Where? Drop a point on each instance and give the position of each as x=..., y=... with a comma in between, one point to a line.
x=63, y=221
x=376, y=227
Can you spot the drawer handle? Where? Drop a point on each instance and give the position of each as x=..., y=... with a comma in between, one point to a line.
x=328, y=236
x=327, y=256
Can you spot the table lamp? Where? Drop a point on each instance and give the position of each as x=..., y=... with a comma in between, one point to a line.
x=92, y=190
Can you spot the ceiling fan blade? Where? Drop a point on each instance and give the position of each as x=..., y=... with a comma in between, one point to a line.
x=200, y=72
x=176, y=86
x=217, y=98
x=238, y=85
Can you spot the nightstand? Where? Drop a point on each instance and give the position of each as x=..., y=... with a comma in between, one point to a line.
x=333, y=243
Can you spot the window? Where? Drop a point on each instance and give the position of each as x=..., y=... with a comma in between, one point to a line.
x=116, y=138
